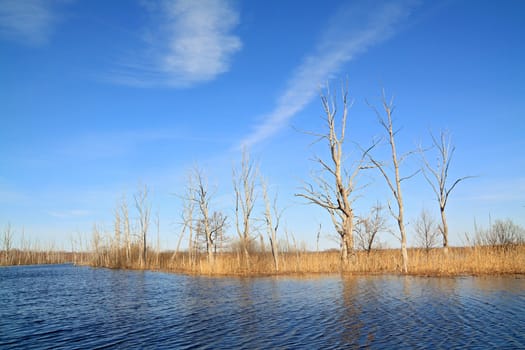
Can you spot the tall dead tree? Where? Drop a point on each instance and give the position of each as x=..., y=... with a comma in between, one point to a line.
x=202, y=196
x=116, y=249
x=143, y=209
x=272, y=220
x=437, y=178
x=188, y=208
x=332, y=187
x=124, y=218
x=393, y=180
x=245, y=197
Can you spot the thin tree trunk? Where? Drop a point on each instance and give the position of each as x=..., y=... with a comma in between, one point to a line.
x=399, y=198
x=444, y=230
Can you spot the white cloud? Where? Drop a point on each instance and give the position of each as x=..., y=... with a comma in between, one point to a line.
x=191, y=42
x=353, y=30
x=30, y=22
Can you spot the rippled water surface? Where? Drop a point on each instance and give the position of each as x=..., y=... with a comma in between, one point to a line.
x=64, y=307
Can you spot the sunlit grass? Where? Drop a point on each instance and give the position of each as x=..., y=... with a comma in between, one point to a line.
x=476, y=260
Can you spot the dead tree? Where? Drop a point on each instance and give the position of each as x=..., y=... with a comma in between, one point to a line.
x=393, y=180
x=332, y=187
x=124, y=218
x=7, y=243
x=188, y=208
x=437, y=178
x=368, y=227
x=143, y=209
x=272, y=218
x=426, y=231
x=245, y=197
x=201, y=196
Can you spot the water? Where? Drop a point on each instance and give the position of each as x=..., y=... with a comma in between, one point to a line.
x=67, y=307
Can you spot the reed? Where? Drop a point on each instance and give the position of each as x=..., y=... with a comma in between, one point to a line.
x=35, y=257
x=477, y=260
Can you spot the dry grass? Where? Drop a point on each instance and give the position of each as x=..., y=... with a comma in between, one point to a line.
x=459, y=261
x=478, y=260
x=35, y=257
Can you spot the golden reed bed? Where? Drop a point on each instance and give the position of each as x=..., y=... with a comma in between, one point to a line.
x=479, y=260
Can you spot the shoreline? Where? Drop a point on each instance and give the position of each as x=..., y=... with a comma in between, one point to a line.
x=458, y=262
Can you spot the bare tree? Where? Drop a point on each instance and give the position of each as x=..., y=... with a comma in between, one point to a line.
x=188, y=207
x=368, y=227
x=426, y=231
x=124, y=217
x=143, y=209
x=117, y=236
x=272, y=217
x=96, y=245
x=218, y=223
x=437, y=177
x=245, y=197
x=333, y=186
x=157, y=224
x=202, y=196
x=503, y=233
x=7, y=242
x=393, y=180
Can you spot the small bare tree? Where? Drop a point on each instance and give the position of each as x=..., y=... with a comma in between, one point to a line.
x=96, y=244
x=503, y=233
x=368, y=227
x=218, y=227
x=272, y=217
x=245, y=197
x=393, y=180
x=144, y=210
x=426, y=231
x=437, y=177
x=7, y=243
x=333, y=193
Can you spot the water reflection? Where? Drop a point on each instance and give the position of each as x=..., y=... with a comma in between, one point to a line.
x=69, y=307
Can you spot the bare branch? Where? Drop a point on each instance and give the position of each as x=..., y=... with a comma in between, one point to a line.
x=410, y=176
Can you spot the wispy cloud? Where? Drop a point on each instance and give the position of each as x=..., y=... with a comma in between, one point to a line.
x=353, y=30
x=190, y=42
x=30, y=22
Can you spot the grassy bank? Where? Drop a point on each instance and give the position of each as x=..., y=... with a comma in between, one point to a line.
x=477, y=260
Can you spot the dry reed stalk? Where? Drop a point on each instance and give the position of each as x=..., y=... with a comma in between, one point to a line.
x=458, y=261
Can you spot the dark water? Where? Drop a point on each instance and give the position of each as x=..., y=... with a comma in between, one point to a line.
x=66, y=307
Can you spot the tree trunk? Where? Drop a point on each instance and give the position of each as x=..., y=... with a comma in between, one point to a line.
x=274, y=254
x=444, y=231
x=404, y=253
x=344, y=251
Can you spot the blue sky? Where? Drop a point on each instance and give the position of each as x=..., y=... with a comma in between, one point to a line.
x=98, y=97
